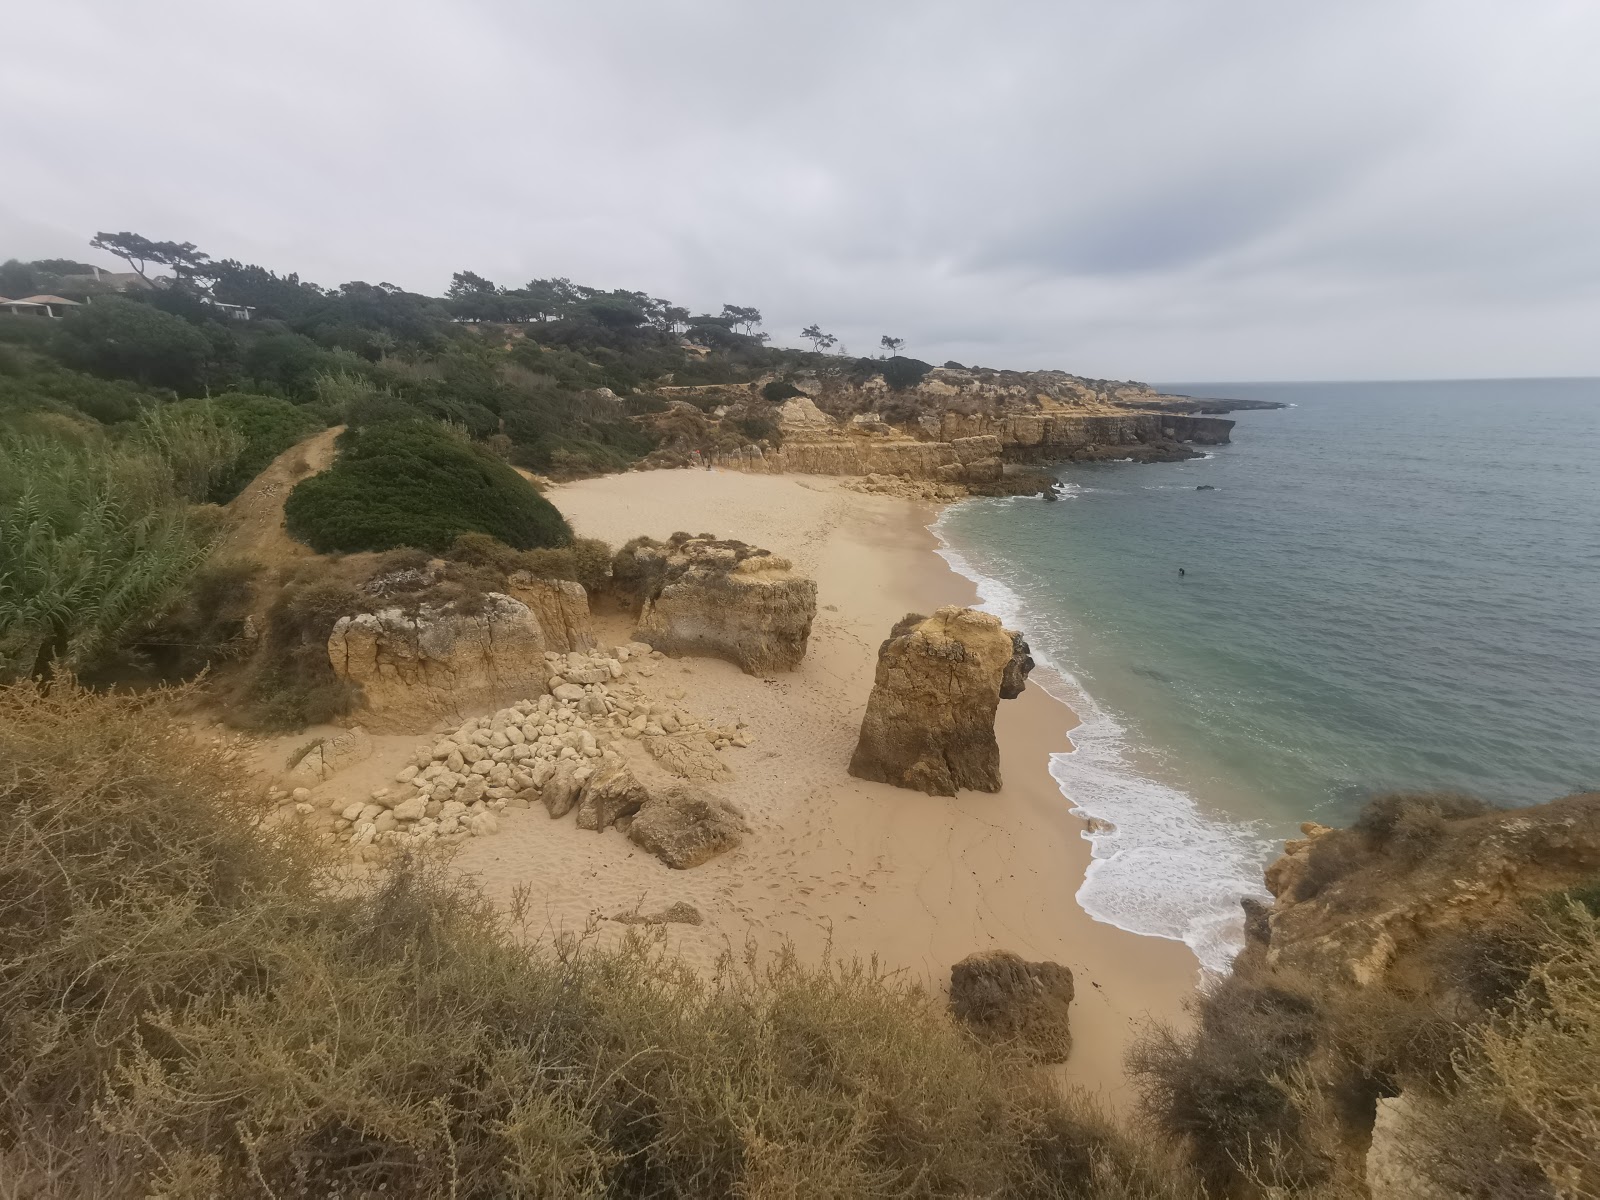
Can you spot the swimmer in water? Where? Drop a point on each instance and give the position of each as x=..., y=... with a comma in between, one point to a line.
x=1180, y=572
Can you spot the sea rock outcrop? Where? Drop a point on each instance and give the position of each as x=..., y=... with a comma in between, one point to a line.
x=562, y=607
x=1015, y=676
x=929, y=723
x=684, y=829
x=720, y=599
x=1353, y=905
x=439, y=662
x=1004, y=999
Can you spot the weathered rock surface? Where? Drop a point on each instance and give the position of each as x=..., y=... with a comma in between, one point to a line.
x=331, y=755
x=608, y=797
x=929, y=723
x=688, y=756
x=719, y=599
x=679, y=913
x=684, y=829
x=1350, y=906
x=1015, y=676
x=562, y=608
x=1004, y=999
x=416, y=668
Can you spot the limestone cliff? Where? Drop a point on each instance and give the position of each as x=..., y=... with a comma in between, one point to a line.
x=562, y=608
x=956, y=427
x=1354, y=905
x=929, y=723
x=720, y=599
x=415, y=668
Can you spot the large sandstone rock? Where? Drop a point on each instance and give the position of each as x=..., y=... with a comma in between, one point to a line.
x=719, y=599
x=1004, y=999
x=609, y=796
x=1015, y=676
x=929, y=723
x=562, y=607
x=415, y=669
x=684, y=829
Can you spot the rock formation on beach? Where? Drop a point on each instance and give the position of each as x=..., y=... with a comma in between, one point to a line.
x=1004, y=999
x=684, y=829
x=929, y=723
x=719, y=599
x=415, y=668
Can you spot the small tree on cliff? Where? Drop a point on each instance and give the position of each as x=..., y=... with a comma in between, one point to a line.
x=891, y=344
x=819, y=341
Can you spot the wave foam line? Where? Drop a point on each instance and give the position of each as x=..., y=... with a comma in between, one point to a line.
x=1158, y=866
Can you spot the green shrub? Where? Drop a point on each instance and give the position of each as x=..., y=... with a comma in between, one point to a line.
x=268, y=427
x=901, y=373
x=197, y=1006
x=95, y=541
x=760, y=429
x=290, y=682
x=126, y=339
x=414, y=484
x=779, y=390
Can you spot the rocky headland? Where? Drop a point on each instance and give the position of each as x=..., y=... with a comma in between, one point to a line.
x=970, y=431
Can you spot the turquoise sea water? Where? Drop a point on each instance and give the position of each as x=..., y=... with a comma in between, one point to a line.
x=1393, y=585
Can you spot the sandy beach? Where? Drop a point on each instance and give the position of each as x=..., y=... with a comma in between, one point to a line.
x=917, y=881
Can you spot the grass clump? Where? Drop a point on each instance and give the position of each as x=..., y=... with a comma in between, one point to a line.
x=289, y=682
x=194, y=1009
x=412, y=483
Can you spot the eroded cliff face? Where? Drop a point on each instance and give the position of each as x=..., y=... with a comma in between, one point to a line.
x=1357, y=905
x=954, y=428
x=720, y=599
x=416, y=668
x=929, y=723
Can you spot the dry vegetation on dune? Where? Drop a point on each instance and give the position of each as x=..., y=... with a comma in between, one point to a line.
x=196, y=1006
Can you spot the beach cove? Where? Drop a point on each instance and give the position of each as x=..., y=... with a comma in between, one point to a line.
x=835, y=864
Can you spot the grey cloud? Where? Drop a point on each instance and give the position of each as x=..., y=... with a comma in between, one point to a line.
x=1156, y=189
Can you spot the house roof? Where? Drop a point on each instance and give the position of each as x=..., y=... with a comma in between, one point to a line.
x=49, y=300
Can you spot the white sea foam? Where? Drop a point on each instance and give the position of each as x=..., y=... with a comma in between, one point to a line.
x=1160, y=866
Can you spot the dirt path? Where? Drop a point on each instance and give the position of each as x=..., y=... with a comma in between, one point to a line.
x=256, y=514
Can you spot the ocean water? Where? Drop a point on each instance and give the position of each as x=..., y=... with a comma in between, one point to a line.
x=1391, y=586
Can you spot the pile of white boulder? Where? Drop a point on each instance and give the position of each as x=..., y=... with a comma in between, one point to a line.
x=458, y=785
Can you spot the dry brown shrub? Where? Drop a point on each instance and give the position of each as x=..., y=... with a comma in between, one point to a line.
x=196, y=1007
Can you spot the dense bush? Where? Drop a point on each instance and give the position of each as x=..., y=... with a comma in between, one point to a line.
x=415, y=484
x=779, y=390
x=267, y=426
x=289, y=682
x=95, y=540
x=196, y=1007
x=901, y=373
x=125, y=339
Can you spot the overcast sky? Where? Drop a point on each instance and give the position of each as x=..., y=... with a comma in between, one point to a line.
x=1151, y=189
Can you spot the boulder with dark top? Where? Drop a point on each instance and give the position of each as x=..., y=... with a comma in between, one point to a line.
x=1006, y=1000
